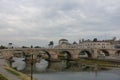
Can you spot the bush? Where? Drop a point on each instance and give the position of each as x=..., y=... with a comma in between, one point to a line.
x=2, y=77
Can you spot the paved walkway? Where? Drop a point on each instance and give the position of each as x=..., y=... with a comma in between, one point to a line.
x=5, y=73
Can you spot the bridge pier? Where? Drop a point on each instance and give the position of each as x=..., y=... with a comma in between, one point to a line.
x=95, y=53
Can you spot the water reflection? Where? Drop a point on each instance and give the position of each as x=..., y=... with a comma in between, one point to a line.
x=104, y=75
x=42, y=65
x=19, y=63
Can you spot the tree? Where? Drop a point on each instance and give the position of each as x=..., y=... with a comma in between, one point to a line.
x=51, y=43
x=95, y=40
x=24, y=47
x=2, y=47
x=31, y=46
x=114, y=38
x=37, y=47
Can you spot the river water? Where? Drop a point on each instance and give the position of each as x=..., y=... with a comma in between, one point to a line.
x=102, y=75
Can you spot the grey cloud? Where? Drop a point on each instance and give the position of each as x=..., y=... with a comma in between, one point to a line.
x=44, y=20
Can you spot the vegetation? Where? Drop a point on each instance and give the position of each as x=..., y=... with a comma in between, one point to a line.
x=2, y=77
x=31, y=46
x=25, y=47
x=51, y=43
x=17, y=73
x=37, y=47
x=3, y=47
x=95, y=40
x=12, y=71
x=98, y=62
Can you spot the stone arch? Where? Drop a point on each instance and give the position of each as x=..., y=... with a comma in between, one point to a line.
x=45, y=54
x=85, y=54
x=41, y=57
x=104, y=53
x=117, y=53
x=65, y=55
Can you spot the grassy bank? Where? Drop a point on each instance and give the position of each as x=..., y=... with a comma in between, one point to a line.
x=2, y=77
x=17, y=73
x=99, y=62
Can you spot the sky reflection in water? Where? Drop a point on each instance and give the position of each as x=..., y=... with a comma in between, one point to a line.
x=104, y=75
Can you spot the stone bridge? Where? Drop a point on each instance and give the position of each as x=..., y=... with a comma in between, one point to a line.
x=54, y=53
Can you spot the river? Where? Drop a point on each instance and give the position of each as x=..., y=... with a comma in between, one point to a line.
x=102, y=75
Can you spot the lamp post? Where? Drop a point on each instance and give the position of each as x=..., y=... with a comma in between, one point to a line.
x=32, y=66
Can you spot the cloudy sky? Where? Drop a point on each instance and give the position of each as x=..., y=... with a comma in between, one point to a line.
x=36, y=22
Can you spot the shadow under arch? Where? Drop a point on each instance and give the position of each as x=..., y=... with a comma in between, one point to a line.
x=85, y=54
x=117, y=53
x=104, y=53
x=45, y=54
x=65, y=55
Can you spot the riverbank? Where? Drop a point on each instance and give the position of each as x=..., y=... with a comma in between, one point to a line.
x=22, y=76
x=2, y=77
x=5, y=73
x=12, y=74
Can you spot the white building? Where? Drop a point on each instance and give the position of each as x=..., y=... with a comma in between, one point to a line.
x=97, y=45
x=105, y=44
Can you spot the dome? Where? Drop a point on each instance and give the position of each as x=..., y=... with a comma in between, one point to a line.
x=63, y=40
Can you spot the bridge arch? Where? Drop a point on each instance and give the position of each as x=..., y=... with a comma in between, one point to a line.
x=44, y=54
x=117, y=53
x=64, y=55
x=85, y=54
x=104, y=53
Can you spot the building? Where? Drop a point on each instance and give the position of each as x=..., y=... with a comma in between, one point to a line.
x=88, y=44
x=63, y=43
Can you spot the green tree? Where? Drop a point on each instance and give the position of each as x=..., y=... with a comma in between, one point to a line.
x=31, y=46
x=51, y=43
x=95, y=40
x=2, y=47
x=37, y=47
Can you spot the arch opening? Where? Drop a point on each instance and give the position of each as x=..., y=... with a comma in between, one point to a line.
x=64, y=55
x=85, y=54
x=44, y=54
x=104, y=53
x=117, y=53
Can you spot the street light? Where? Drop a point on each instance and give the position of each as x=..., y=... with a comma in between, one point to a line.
x=31, y=61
